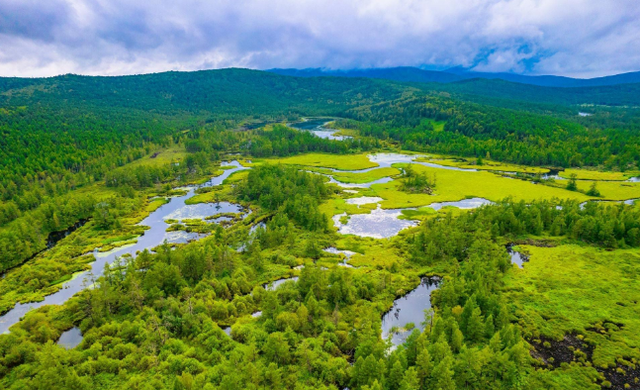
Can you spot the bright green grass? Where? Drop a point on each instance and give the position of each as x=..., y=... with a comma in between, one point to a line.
x=365, y=177
x=584, y=174
x=371, y=252
x=613, y=190
x=573, y=288
x=337, y=161
x=165, y=156
x=338, y=206
x=458, y=185
x=486, y=166
x=438, y=125
x=609, y=190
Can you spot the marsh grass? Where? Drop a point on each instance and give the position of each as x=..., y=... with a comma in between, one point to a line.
x=580, y=289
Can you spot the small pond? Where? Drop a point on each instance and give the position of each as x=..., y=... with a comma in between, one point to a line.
x=407, y=309
x=203, y=210
x=363, y=200
x=71, y=338
x=380, y=223
x=347, y=255
x=517, y=258
x=384, y=223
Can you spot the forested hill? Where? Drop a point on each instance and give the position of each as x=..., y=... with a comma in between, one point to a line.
x=225, y=91
x=612, y=95
x=238, y=91
x=417, y=75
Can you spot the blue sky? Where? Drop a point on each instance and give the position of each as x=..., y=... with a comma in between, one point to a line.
x=576, y=38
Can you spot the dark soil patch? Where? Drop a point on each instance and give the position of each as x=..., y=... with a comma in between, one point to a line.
x=617, y=377
x=569, y=349
x=538, y=243
x=553, y=353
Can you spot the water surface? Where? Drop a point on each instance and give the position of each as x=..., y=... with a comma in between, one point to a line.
x=347, y=255
x=517, y=258
x=203, y=210
x=316, y=127
x=154, y=236
x=277, y=283
x=465, y=204
x=380, y=223
x=71, y=338
x=409, y=308
x=364, y=200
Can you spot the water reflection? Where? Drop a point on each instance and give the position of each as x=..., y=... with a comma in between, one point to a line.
x=364, y=200
x=384, y=223
x=277, y=283
x=517, y=258
x=203, y=210
x=409, y=309
x=347, y=255
x=154, y=236
x=471, y=203
x=379, y=223
x=71, y=338
x=316, y=127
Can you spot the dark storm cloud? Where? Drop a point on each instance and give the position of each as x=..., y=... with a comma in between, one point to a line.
x=32, y=19
x=572, y=37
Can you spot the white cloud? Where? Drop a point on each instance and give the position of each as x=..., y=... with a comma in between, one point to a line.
x=569, y=37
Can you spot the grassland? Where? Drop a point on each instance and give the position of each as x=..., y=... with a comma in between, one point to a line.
x=486, y=165
x=585, y=174
x=336, y=161
x=582, y=290
x=161, y=157
x=611, y=190
x=365, y=177
x=457, y=185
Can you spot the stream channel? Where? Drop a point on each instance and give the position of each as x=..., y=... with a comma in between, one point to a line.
x=154, y=236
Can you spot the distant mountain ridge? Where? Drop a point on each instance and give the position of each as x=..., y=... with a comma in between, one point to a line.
x=412, y=74
x=235, y=90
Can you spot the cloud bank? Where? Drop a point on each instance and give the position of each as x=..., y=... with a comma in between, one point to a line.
x=581, y=38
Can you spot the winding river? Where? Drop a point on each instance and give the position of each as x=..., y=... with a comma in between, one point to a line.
x=316, y=127
x=154, y=236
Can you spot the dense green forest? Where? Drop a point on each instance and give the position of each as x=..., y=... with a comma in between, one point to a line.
x=501, y=134
x=281, y=294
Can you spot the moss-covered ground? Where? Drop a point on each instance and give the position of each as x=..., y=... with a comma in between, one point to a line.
x=586, y=291
x=590, y=174
x=336, y=161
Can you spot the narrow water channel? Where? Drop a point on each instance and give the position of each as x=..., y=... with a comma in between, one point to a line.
x=347, y=255
x=272, y=286
x=152, y=237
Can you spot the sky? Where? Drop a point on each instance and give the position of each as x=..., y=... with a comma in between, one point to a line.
x=577, y=38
